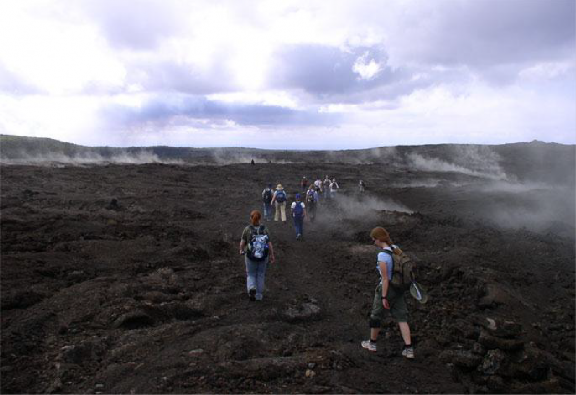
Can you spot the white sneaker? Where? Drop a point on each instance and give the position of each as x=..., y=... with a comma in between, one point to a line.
x=368, y=345
x=408, y=352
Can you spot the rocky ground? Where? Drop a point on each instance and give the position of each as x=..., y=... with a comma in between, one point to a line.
x=127, y=279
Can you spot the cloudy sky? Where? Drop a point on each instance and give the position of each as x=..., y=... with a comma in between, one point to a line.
x=288, y=74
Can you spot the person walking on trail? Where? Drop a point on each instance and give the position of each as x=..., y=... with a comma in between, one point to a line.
x=361, y=187
x=312, y=202
x=279, y=201
x=304, y=184
x=267, y=194
x=387, y=298
x=257, y=247
x=298, y=214
x=333, y=188
x=326, y=187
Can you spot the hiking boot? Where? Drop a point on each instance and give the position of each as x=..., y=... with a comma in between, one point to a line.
x=252, y=294
x=298, y=236
x=368, y=345
x=408, y=352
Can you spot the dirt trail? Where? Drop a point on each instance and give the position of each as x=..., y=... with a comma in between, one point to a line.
x=127, y=279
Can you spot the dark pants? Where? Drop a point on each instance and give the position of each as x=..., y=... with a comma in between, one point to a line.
x=267, y=211
x=299, y=225
x=311, y=206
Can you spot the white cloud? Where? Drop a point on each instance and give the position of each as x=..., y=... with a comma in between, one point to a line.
x=366, y=68
x=337, y=74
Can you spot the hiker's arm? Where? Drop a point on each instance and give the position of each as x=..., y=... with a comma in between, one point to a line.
x=385, y=283
x=273, y=198
x=242, y=245
x=272, y=257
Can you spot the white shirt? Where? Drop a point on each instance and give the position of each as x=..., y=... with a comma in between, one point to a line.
x=294, y=205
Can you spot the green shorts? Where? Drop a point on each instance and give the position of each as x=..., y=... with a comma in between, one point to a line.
x=398, y=309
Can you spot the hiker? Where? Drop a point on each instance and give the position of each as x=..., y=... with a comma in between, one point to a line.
x=361, y=187
x=326, y=187
x=256, y=245
x=298, y=214
x=252, y=162
x=387, y=297
x=279, y=200
x=304, y=184
x=267, y=200
x=312, y=202
x=333, y=188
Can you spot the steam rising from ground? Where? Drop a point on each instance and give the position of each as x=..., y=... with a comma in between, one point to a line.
x=358, y=207
x=479, y=168
x=89, y=158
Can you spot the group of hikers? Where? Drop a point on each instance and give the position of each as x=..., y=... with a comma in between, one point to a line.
x=305, y=203
x=256, y=245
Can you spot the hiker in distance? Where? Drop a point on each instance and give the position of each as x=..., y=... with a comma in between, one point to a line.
x=298, y=214
x=387, y=297
x=279, y=201
x=312, y=199
x=256, y=245
x=304, y=184
x=267, y=201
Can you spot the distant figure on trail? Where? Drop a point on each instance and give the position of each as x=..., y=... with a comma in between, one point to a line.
x=312, y=198
x=326, y=187
x=256, y=245
x=279, y=200
x=298, y=214
x=267, y=194
x=304, y=184
x=361, y=186
x=333, y=188
x=252, y=162
x=387, y=297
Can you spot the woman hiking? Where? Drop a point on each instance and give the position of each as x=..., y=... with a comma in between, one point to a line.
x=255, y=243
x=387, y=297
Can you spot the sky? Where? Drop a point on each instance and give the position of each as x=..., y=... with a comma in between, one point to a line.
x=282, y=74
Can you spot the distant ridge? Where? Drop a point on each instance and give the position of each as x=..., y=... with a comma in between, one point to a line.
x=536, y=160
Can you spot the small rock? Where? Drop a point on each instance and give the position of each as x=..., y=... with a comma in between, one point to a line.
x=195, y=352
x=99, y=386
x=310, y=373
x=493, y=361
x=311, y=365
x=491, y=324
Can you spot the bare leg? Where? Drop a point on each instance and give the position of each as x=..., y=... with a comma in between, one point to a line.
x=405, y=331
x=374, y=333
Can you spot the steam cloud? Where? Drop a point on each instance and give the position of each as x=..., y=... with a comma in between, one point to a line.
x=89, y=158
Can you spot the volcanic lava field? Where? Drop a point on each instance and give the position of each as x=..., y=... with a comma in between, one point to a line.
x=126, y=278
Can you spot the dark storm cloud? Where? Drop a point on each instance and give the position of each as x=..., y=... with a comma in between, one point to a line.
x=487, y=34
x=163, y=111
x=322, y=69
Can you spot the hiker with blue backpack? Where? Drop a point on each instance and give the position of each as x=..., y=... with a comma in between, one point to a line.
x=279, y=200
x=298, y=215
x=267, y=201
x=255, y=244
x=396, y=274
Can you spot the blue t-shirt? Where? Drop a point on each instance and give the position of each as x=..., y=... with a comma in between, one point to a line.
x=387, y=258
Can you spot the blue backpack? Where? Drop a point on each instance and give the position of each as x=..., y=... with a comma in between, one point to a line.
x=280, y=196
x=298, y=210
x=258, y=245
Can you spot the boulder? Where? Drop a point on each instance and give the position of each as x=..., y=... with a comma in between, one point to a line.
x=461, y=358
x=304, y=312
x=493, y=342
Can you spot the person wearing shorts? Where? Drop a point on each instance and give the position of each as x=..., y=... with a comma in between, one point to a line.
x=387, y=299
